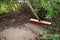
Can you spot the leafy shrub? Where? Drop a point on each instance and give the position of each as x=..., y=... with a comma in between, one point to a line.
x=8, y=6
x=52, y=7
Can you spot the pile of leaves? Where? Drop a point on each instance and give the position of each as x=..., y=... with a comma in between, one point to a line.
x=8, y=6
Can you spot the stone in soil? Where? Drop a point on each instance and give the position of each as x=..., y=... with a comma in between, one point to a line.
x=17, y=34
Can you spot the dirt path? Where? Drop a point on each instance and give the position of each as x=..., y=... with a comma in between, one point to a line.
x=21, y=33
x=25, y=32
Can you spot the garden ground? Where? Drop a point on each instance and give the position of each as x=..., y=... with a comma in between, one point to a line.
x=16, y=27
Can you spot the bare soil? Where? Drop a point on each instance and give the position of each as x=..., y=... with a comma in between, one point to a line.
x=14, y=26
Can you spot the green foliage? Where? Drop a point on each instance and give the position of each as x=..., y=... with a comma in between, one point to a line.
x=52, y=7
x=51, y=36
x=8, y=6
x=36, y=5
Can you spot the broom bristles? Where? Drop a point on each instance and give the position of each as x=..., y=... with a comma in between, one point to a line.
x=41, y=22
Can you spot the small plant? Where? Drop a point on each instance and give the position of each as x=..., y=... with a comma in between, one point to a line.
x=51, y=37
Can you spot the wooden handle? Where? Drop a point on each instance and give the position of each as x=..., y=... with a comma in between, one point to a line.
x=29, y=4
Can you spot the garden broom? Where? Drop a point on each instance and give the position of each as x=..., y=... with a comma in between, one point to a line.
x=36, y=21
